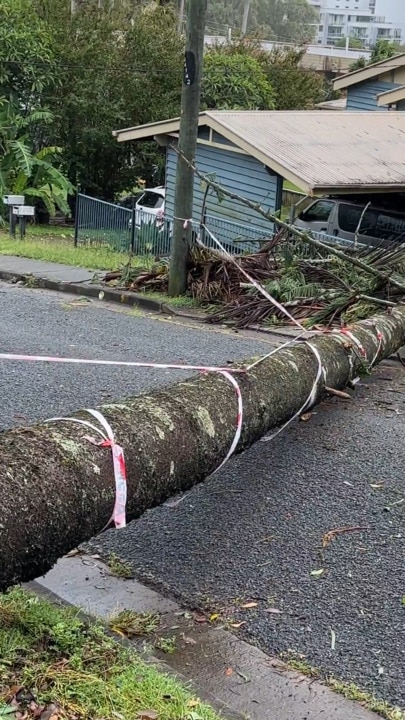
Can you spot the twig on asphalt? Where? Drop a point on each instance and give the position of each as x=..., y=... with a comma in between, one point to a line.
x=331, y=534
x=338, y=393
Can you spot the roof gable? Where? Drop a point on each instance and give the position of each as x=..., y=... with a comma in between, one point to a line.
x=320, y=151
x=391, y=97
x=370, y=71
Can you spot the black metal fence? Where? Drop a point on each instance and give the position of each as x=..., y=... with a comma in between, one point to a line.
x=103, y=224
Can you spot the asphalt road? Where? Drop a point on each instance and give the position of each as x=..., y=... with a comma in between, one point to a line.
x=255, y=532
x=45, y=323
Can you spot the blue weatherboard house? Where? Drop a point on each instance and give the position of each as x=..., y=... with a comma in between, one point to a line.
x=380, y=86
x=251, y=153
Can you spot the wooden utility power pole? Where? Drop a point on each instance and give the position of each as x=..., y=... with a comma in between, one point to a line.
x=190, y=107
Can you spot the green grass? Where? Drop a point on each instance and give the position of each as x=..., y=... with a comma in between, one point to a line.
x=177, y=301
x=54, y=245
x=349, y=690
x=49, y=657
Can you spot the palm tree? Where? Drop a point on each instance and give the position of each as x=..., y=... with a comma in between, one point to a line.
x=27, y=167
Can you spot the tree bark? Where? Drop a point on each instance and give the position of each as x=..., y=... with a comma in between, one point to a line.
x=57, y=490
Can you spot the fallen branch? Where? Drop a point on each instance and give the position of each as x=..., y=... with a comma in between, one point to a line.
x=57, y=489
x=305, y=237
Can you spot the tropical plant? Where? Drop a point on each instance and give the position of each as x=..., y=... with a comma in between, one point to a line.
x=26, y=169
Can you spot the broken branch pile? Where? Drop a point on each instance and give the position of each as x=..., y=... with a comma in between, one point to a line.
x=317, y=285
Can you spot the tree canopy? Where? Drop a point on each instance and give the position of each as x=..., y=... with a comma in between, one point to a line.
x=235, y=82
x=285, y=20
x=70, y=80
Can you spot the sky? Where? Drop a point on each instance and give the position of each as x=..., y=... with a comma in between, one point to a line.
x=394, y=11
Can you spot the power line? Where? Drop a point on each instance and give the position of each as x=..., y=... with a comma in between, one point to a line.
x=150, y=69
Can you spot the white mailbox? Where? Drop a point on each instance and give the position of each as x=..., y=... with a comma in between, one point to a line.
x=14, y=199
x=24, y=210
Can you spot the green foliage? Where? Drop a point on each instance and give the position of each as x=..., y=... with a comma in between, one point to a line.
x=127, y=72
x=235, y=81
x=286, y=20
x=24, y=171
x=382, y=50
x=27, y=55
x=293, y=88
x=354, y=43
x=296, y=88
x=75, y=666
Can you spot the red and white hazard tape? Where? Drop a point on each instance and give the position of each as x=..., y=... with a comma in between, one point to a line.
x=108, y=440
x=106, y=433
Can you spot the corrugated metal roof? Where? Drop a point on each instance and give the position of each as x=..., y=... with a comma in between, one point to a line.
x=322, y=148
x=320, y=151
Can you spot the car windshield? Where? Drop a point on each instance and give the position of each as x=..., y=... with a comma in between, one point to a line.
x=151, y=200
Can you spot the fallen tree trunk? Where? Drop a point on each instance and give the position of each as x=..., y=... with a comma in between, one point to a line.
x=57, y=490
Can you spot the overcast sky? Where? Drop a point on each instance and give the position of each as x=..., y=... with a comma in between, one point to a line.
x=394, y=10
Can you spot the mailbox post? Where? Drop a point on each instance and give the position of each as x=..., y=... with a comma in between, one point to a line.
x=22, y=212
x=12, y=201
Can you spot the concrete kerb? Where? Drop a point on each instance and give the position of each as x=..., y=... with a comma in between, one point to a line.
x=220, y=707
x=234, y=677
x=92, y=291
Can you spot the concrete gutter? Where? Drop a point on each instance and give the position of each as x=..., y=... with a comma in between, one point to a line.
x=228, y=673
x=84, y=289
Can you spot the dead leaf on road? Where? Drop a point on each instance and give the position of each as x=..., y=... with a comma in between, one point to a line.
x=73, y=552
x=238, y=625
x=229, y=672
x=200, y=618
x=273, y=611
x=189, y=640
x=317, y=573
x=306, y=416
x=249, y=605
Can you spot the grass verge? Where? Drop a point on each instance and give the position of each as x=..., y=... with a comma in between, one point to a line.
x=349, y=690
x=53, y=245
x=54, y=666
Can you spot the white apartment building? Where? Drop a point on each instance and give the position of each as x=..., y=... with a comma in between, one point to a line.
x=352, y=18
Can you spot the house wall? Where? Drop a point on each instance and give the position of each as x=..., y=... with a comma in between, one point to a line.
x=364, y=95
x=237, y=172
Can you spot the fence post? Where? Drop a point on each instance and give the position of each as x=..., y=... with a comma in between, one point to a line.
x=133, y=226
x=77, y=217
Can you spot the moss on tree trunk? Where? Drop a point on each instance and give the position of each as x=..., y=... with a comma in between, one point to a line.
x=57, y=490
